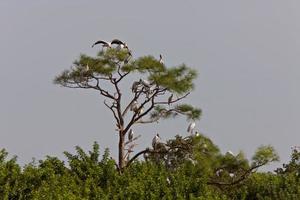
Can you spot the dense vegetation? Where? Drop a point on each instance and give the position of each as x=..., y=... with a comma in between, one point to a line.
x=197, y=172
x=189, y=167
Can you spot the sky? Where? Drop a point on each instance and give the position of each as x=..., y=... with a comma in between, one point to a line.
x=246, y=54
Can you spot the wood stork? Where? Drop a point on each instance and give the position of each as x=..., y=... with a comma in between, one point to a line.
x=219, y=172
x=160, y=59
x=191, y=127
x=134, y=106
x=145, y=83
x=170, y=99
x=128, y=57
x=104, y=44
x=135, y=86
x=230, y=153
x=130, y=135
x=168, y=180
x=120, y=44
x=155, y=141
x=140, y=111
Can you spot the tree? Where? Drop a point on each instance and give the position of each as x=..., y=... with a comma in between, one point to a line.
x=155, y=92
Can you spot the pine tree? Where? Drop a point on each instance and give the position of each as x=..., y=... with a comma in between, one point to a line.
x=156, y=90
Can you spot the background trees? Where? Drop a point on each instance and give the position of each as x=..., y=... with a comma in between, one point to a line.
x=194, y=174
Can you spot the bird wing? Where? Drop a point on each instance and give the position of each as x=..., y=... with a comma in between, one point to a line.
x=153, y=142
x=130, y=135
x=193, y=125
x=189, y=128
x=100, y=42
x=116, y=41
x=170, y=99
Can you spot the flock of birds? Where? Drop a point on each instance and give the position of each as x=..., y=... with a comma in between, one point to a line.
x=119, y=43
x=136, y=86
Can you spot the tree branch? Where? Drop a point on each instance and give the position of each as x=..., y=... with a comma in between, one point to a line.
x=240, y=179
x=113, y=111
x=173, y=101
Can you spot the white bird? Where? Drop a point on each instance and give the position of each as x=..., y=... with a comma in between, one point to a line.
x=135, y=86
x=191, y=127
x=168, y=181
x=134, y=106
x=219, y=172
x=155, y=141
x=230, y=153
x=140, y=111
x=104, y=43
x=130, y=135
x=160, y=59
x=128, y=57
x=120, y=44
x=145, y=83
x=170, y=99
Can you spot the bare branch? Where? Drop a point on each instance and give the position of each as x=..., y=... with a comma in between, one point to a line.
x=137, y=155
x=135, y=138
x=237, y=181
x=136, y=96
x=113, y=111
x=118, y=102
x=136, y=117
x=153, y=151
x=173, y=101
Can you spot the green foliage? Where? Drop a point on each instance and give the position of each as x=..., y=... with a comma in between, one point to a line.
x=194, y=159
x=190, y=111
x=264, y=154
x=146, y=64
x=177, y=79
x=182, y=168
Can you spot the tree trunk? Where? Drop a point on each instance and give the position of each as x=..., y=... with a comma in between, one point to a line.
x=121, y=151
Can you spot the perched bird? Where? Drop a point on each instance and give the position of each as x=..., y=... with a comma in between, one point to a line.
x=135, y=86
x=120, y=44
x=230, y=153
x=130, y=135
x=219, y=172
x=168, y=181
x=104, y=44
x=134, y=106
x=128, y=57
x=140, y=111
x=160, y=59
x=191, y=127
x=170, y=99
x=145, y=83
x=149, y=90
x=87, y=68
x=155, y=141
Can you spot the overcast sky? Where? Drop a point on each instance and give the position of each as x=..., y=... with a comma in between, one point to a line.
x=246, y=53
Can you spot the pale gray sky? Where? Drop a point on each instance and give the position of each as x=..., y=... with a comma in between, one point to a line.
x=246, y=53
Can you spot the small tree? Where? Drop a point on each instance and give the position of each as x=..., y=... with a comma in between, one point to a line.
x=155, y=91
